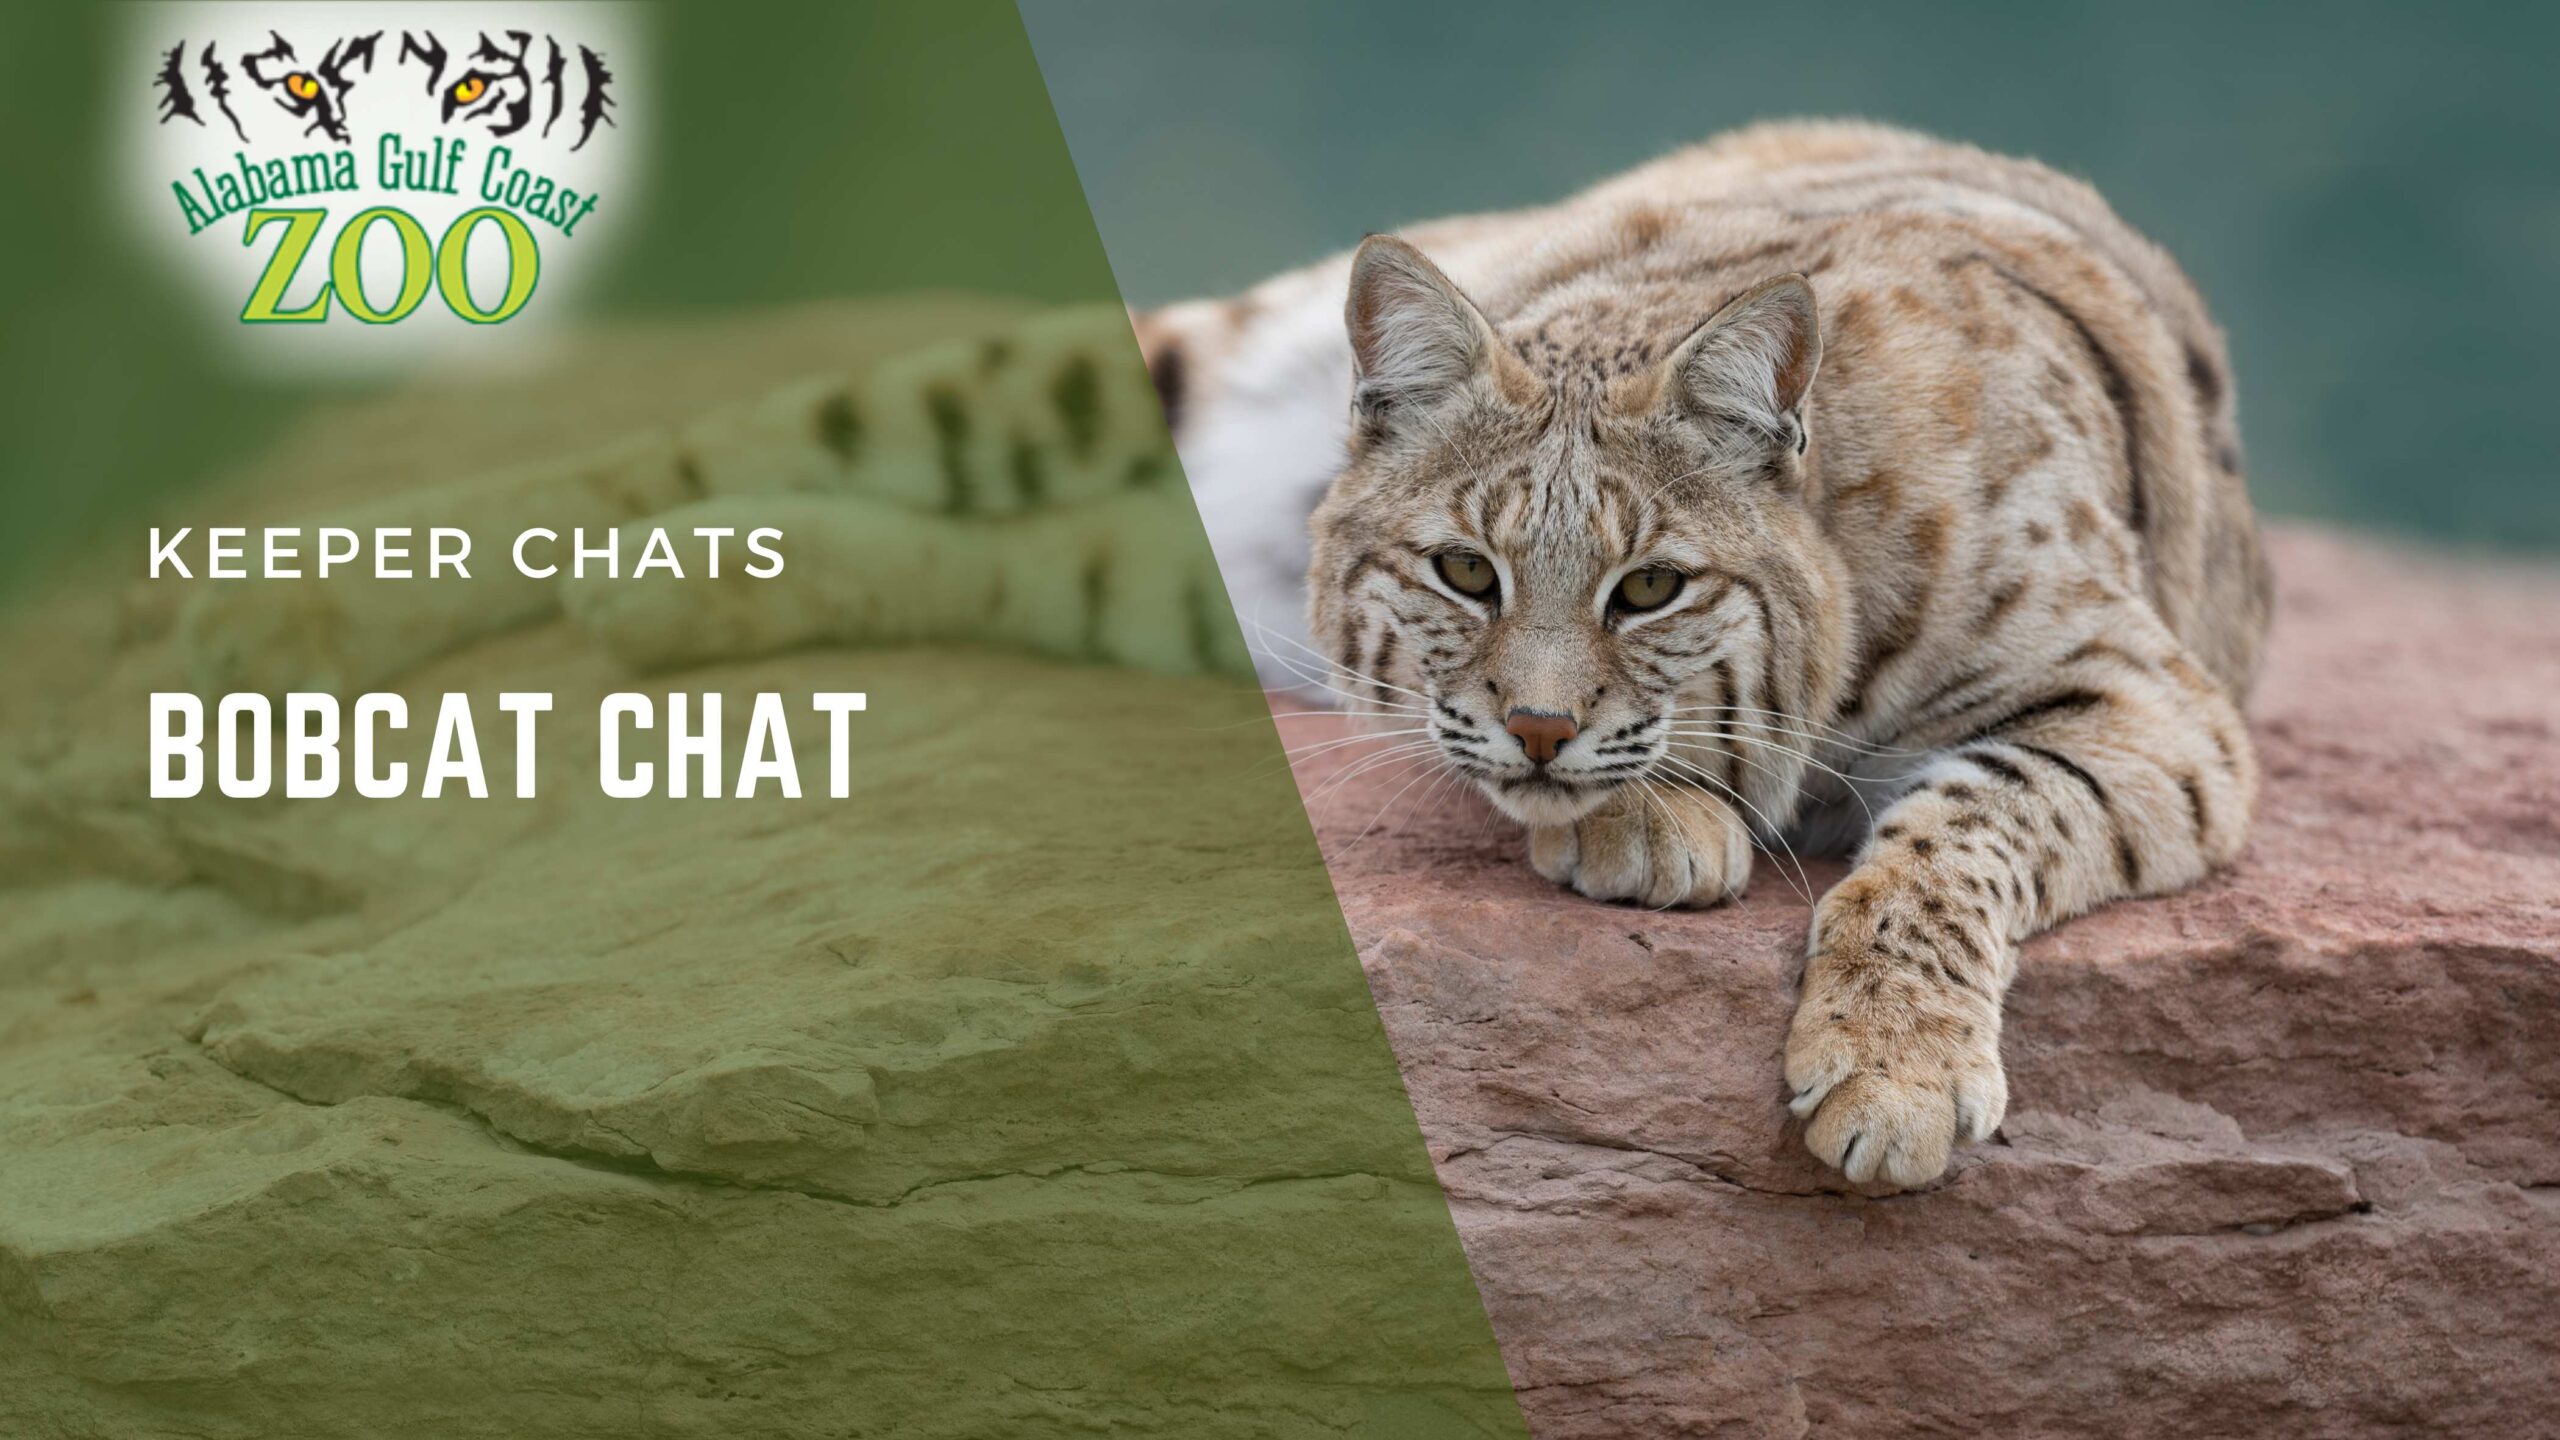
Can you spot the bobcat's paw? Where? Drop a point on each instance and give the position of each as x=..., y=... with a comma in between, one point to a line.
x=1658, y=848
x=1891, y=1063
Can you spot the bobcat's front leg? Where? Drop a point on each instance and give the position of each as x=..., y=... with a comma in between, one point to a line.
x=1660, y=846
x=2130, y=775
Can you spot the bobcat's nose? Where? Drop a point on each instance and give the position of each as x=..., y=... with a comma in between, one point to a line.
x=1541, y=732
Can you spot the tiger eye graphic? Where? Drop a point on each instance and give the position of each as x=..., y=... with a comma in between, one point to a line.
x=469, y=90
x=301, y=85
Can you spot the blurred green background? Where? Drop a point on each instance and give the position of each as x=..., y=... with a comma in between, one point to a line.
x=2369, y=194
x=1160, y=1174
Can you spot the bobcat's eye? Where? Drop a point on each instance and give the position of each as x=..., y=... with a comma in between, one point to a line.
x=469, y=90
x=1648, y=589
x=302, y=86
x=1466, y=572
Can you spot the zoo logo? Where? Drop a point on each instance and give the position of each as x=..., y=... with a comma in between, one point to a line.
x=491, y=91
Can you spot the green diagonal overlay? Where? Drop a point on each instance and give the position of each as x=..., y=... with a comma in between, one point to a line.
x=1030, y=1088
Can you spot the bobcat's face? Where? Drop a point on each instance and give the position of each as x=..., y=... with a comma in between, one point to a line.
x=1575, y=588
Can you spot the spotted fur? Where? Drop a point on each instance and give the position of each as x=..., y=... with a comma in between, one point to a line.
x=1946, y=456
x=1013, y=487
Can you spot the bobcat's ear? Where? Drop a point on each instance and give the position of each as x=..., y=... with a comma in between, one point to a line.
x=1415, y=338
x=1753, y=362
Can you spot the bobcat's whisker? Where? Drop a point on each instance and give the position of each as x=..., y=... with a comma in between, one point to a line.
x=1849, y=747
x=1444, y=771
x=1355, y=698
x=1406, y=751
x=1698, y=730
x=1274, y=716
x=1407, y=762
x=1400, y=747
x=1320, y=682
x=1802, y=881
x=1848, y=783
x=1318, y=800
x=1318, y=747
x=1290, y=756
x=1331, y=664
x=1678, y=479
x=1830, y=734
x=1339, y=715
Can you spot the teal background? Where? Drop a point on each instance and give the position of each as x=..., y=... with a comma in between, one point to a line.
x=2369, y=194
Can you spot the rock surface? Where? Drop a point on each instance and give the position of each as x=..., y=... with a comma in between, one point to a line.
x=1031, y=1089
x=2281, y=1159
x=560, y=1118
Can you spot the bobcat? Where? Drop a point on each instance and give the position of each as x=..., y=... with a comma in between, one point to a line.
x=1822, y=483
x=1823, y=480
